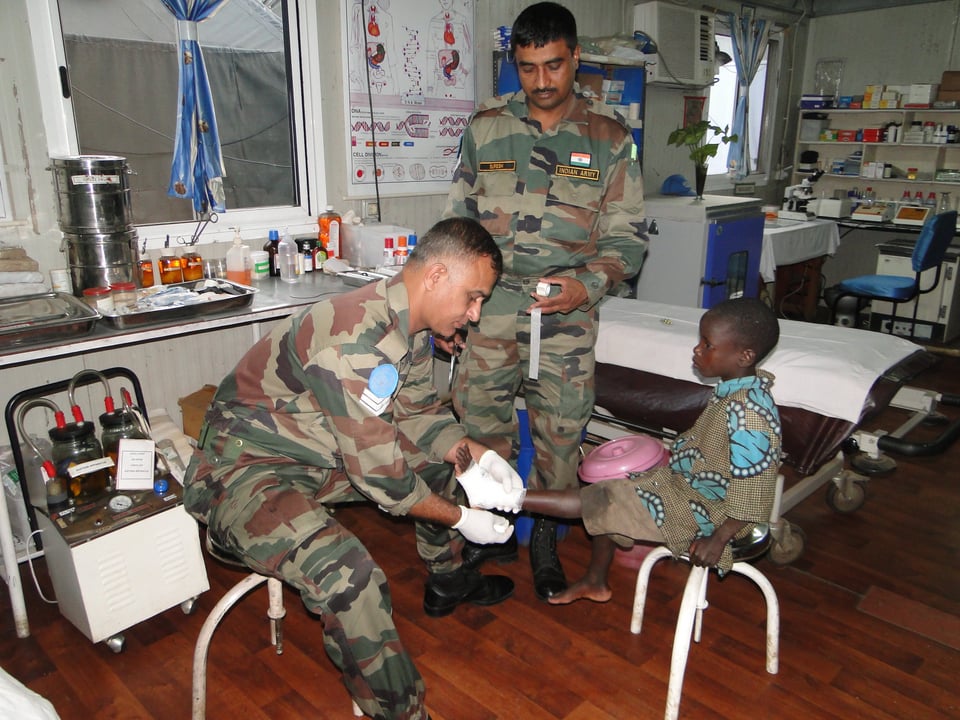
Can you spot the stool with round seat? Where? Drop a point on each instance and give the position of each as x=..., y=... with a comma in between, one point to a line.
x=275, y=612
x=694, y=602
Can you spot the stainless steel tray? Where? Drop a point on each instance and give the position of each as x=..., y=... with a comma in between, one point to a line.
x=30, y=319
x=226, y=295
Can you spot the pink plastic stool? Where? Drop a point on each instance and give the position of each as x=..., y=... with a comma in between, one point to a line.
x=617, y=459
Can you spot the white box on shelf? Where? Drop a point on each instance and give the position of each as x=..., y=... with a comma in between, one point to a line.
x=362, y=245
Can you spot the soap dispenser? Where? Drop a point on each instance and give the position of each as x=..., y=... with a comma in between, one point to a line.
x=239, y=262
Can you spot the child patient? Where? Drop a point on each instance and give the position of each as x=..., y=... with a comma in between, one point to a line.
x=721, y=476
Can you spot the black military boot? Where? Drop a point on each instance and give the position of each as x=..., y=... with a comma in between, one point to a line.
x=548, y=578
x=475, y=555
x=445, y=591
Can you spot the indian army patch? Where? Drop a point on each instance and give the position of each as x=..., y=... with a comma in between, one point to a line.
x=580, y=159
x=578, y=172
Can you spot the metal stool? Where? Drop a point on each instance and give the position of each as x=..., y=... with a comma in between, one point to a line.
x=275, y=612
x=694, y=602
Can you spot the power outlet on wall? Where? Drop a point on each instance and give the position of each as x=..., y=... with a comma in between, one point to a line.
x=371, y=209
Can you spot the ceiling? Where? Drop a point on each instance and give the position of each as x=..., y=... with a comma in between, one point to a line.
x=821, y=8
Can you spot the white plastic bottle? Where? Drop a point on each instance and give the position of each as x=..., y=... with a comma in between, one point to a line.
x=287, y=257
x=239, y=262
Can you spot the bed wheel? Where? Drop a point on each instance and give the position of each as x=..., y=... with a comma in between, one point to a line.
x=873, y=465
x=849, y=500
x=788, y=546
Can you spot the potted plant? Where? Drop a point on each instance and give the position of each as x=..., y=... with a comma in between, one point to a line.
x=695, y=136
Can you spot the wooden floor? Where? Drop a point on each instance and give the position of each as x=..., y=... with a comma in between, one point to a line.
x=870, y=629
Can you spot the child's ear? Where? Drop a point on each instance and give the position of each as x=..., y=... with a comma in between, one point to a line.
x=748, y=357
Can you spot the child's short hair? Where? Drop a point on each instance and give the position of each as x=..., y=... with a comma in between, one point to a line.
x=753, y=322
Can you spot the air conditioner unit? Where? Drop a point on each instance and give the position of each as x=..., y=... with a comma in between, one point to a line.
x=685, y=43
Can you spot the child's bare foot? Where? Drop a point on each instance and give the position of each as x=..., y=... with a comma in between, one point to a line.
x=582, y=590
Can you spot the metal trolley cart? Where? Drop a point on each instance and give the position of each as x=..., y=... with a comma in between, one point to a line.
x=122, y=557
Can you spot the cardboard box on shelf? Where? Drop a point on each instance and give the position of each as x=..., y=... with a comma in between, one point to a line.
x=193, y=407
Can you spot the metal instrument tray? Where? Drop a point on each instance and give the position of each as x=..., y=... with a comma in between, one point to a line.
x=227, y=295
x=38, y=318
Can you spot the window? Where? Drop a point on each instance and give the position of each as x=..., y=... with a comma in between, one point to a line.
x=120, y=60
x=723, y=100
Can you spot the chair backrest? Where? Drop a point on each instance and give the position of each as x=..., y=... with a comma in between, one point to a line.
x=933, y=241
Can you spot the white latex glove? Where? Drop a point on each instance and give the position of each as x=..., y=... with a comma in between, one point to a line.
x=501, y=471
x=482, y=527
x=485, y=492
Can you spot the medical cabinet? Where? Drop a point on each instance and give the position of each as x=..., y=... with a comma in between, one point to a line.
x=702, y=251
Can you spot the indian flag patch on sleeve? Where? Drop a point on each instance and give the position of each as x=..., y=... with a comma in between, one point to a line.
x=580, y=159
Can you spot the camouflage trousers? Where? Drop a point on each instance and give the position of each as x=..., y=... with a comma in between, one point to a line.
x=275, y=518
x=495, y=366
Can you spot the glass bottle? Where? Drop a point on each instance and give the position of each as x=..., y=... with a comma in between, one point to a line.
x=273, y=240
x=946, y=203
x=171, y=267
x=73, y=445
x=192, y=265
x=146, y=273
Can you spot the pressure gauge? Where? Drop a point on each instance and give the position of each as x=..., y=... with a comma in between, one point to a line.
x=119, y=503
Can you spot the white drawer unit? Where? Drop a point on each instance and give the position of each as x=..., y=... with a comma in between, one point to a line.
x=110, y=582
x=938, y=314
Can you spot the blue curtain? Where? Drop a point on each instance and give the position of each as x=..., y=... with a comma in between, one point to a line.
x=197, y=171
x=749, y=36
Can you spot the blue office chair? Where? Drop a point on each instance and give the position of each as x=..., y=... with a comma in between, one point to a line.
x=928, y=253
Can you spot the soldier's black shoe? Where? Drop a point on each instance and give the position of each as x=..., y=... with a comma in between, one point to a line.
x=548, y=577
x=444, y=592
x=475, y=555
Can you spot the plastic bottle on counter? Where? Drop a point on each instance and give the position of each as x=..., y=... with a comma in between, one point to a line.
x=329, y=235
x=402, y=252
x=239, y=263
x=261, y=265
x=270, y=246
x=411, y=244
x=171, y=267
x=287, y=258
x=388, y=258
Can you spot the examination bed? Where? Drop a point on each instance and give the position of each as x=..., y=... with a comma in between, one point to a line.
x=829, y=381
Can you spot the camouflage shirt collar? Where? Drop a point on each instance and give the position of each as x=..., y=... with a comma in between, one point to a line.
x=398, y=305
x=516, y=104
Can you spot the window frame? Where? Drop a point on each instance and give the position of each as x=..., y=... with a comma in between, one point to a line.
x=303, y=59
x=765, y=156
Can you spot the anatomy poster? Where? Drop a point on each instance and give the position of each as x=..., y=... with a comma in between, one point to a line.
x=410, y=88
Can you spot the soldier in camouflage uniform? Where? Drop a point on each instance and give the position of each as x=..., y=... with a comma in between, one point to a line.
x=337, y=405
x=553, y=175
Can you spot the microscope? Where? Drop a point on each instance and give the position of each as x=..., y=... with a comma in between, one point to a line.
x=796, y=198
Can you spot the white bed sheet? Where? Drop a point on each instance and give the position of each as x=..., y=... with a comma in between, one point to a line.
x=825, y=369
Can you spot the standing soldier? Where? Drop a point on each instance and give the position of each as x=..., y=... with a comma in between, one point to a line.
x=337, y=405
x=553, y=175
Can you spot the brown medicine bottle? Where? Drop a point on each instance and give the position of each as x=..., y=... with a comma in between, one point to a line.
x=171, y=267
x=192, y=265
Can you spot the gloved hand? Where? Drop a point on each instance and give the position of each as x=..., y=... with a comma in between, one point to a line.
x=482, y=527
x=501, y=471
x=484, y=491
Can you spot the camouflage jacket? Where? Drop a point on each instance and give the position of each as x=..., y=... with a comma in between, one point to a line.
x=296, y=397
x=568, y=201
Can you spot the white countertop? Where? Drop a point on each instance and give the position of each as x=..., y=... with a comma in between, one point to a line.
x=274, y=299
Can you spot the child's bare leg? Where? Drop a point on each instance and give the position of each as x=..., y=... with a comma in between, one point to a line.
x=593, y=585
